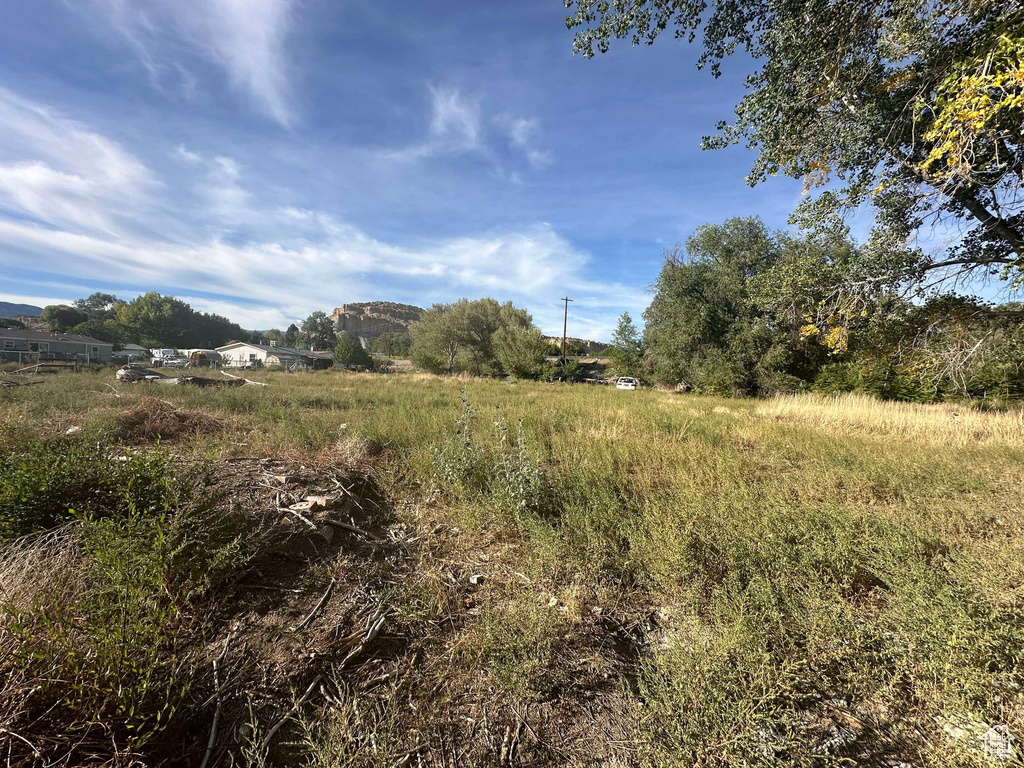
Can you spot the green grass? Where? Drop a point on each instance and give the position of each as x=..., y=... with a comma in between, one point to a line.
x=828, y=588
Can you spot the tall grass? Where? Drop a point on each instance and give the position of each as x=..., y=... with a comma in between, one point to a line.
x=944, y=423
x=832, y=579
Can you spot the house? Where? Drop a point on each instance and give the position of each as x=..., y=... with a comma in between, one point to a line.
x=24, y=345
x=242, y=354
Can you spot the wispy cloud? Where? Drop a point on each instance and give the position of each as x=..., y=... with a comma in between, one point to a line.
x=458, y=126
x=245, y=38
x=454, y=128
x=523, y=135
x=54, y=170
x=219, y=185
x=294, y=261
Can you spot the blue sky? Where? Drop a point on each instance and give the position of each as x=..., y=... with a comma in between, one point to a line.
x=267, y=158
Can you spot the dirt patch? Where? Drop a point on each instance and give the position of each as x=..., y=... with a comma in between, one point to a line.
x=154, y=419
x=362, y=634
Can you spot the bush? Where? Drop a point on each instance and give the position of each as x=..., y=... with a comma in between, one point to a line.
x=101, y=618
x=45, y=484
x=505, y=473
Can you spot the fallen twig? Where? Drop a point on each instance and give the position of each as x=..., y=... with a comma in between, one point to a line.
x=295, y=708
x=323, y=600
x=299, y=515
x=353, y=529
x=216, y=712
x=370, y=636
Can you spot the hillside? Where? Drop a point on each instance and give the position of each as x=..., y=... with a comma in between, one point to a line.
x=7, y=309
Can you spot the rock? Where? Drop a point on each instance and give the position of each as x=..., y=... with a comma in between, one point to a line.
x=964, y=726
x=368, y=320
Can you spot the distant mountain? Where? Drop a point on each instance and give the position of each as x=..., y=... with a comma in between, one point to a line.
x=14, y=310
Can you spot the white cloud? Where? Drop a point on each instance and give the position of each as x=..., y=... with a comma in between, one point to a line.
x=456, y=119
x=227, y=201
x=52, y=169
x=523, y=134
x=454, y=128
x=457, y=127
x=244, y=37
x=305, y=260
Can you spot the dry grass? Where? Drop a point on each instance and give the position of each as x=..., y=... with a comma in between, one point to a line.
x=633, y=578
x=944, y=423
x=154, y=419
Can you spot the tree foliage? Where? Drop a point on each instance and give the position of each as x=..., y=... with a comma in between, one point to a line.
x=521, y=351
x=626, y=350
x=460, y=337
x=348, y=351
x=317, y=332
x=703, y=327
x=151, y=320
x=291, y=336
x=914, y=107
x=747, y=311
x=391, y=344
x=62, y=318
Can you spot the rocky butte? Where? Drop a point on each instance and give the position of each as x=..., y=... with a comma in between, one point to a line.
x=370, y=319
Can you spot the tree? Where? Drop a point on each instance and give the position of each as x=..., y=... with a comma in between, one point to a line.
x=460, y=336
x=702, y=327
x=291, y=336
x=436, y=340
x=104, y=330
x=62, y=318
x=275, y=337
x=626, y=350
x=156, y=321
x=917, y=108
x=521, y=352
x=317, y=332
x=391, y=344
x=348, y=351
x=99, y=306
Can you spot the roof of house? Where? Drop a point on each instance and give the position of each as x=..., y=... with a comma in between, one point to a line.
x=26, y=334
x=271, y=350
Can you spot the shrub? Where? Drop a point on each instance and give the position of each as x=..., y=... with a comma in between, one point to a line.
x=101, y=640
x=45, y=484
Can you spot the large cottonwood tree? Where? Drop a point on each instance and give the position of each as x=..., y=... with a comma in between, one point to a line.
x=915, y=106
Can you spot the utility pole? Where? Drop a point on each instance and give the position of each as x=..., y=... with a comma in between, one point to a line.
x=565, y=324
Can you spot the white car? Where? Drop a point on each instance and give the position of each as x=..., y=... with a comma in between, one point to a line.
x=625, y=382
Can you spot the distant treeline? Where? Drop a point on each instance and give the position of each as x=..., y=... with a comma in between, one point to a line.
x=151, y=320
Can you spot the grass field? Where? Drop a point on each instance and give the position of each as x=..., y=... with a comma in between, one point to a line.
x=559, y=575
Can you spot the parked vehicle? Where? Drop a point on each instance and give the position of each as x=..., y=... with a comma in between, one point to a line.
x=625, y=382
x=168, y=358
